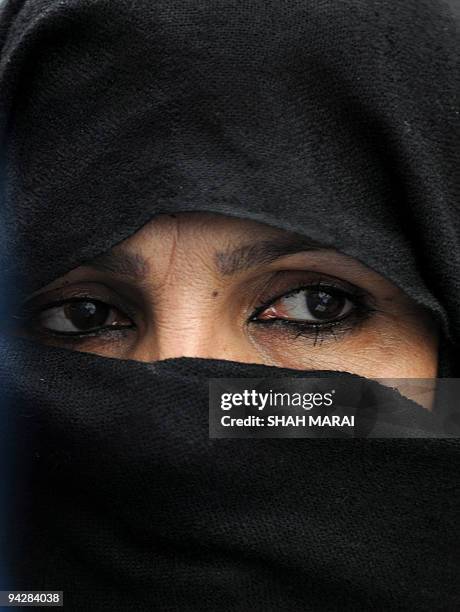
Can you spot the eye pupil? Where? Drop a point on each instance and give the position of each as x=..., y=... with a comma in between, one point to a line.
x=324, y=305
x=86, y=315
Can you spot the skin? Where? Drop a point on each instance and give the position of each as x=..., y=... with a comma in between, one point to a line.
x=193, y=281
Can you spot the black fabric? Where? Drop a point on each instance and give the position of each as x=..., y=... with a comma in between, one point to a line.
x=335, y=119
x=342, y=115
x=131, y=506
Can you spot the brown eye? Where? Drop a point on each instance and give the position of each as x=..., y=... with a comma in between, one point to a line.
x=314, y=305
x=80, y=316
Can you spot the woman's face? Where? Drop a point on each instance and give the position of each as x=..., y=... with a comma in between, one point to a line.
x=205, y=285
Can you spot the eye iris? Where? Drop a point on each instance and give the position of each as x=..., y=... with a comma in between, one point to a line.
x=86, y=315
x=323, y=305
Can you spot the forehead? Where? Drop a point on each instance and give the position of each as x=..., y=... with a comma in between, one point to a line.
x=233, y=244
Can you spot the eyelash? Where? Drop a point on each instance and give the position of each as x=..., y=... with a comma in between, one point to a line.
x=319, y=331
x=28, y=314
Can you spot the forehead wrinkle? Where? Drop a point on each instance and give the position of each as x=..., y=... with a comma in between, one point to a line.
x=246, y=256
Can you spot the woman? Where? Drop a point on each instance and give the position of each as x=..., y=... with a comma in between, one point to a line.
x=227, y=190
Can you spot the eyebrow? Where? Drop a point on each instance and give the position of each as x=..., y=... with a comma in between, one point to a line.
x=262, y=252
x=133, y=265
x=121, y=263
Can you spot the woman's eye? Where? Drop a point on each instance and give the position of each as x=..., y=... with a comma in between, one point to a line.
x=310, y=305
x=80, y=317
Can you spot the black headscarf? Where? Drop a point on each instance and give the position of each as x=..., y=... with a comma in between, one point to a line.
x=337, y=120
